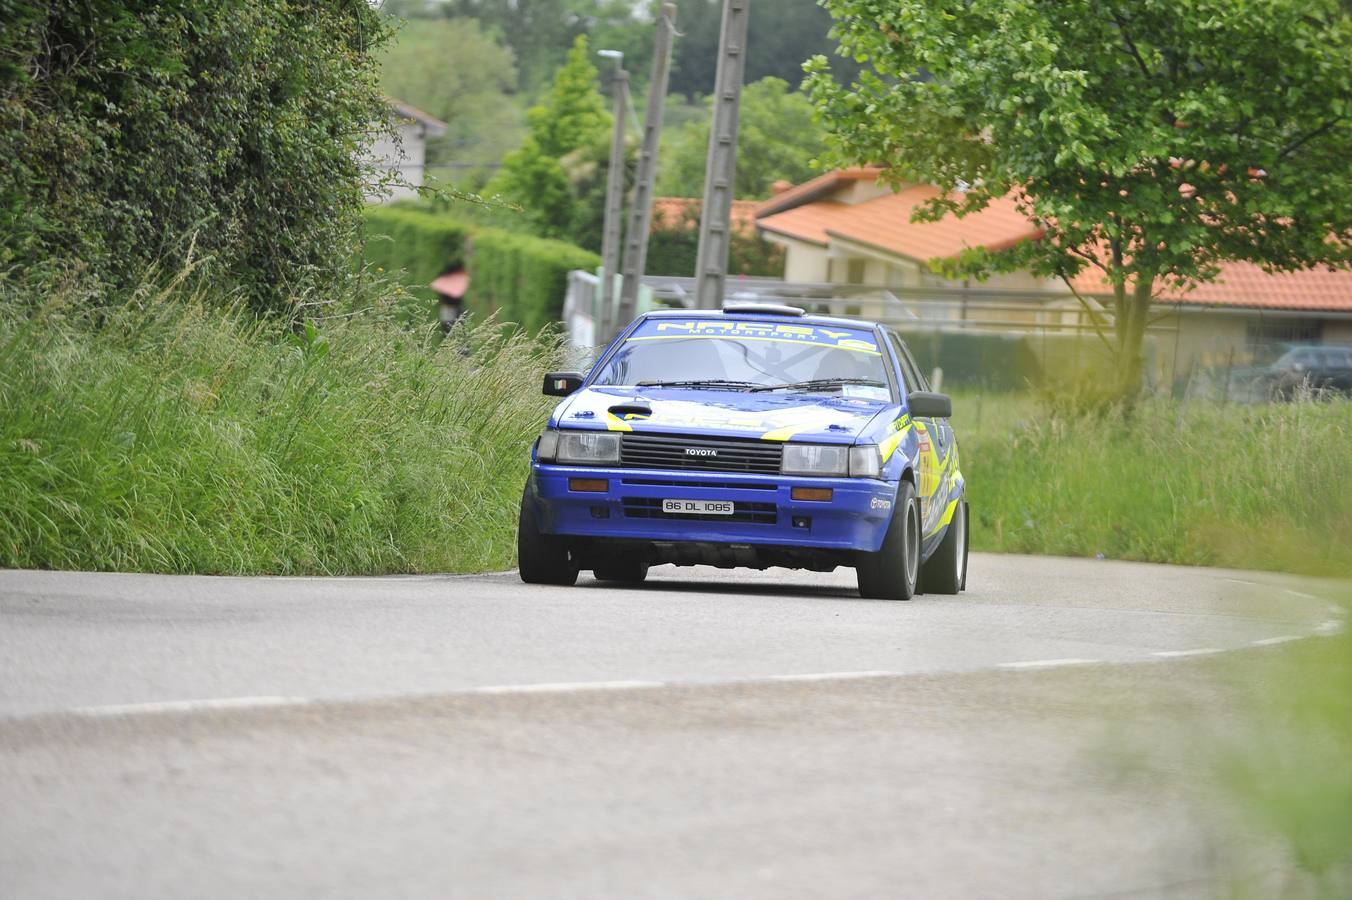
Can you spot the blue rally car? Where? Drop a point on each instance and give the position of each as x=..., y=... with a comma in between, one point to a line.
x=756, y=436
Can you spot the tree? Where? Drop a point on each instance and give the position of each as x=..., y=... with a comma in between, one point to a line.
x=559, y=160
x=1151, y=140
x=776, y=139
x=454, y=70
x=539, y=32
x=781, y=35
x=572, y=113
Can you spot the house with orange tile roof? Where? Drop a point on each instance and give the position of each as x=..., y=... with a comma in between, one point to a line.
x=846, y=228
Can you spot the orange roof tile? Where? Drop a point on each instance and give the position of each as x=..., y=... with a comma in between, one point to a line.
x=1244, y=284
x=810, y=221
x=885, y=223
x=668, y=212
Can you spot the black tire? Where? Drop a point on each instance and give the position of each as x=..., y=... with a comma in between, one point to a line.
x=945, y=572
x=626, y=571
x=541, y=558
x=892, y=572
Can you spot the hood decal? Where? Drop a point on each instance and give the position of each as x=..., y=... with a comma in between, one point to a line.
x=771, y=417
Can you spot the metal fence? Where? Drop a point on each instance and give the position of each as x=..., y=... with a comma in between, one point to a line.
x=992, y=338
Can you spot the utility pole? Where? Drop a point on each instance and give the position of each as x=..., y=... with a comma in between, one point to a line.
x=640, y=217
x=720, y=172
x=610, y=240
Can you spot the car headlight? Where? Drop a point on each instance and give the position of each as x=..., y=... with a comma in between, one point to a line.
x=579, y=448
x=866, y=461
x=815, y=459
x=831, y=460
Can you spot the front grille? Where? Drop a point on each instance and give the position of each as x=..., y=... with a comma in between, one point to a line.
x=716, y=485
x=651, y=451
x=651, y=508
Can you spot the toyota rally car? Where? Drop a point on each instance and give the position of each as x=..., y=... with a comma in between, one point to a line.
x=756, y=436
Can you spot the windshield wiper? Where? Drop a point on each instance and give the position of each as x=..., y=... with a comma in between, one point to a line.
x=819, y=384
x=702, y=382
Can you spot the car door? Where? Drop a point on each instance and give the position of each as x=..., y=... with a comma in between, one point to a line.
x=937, y=456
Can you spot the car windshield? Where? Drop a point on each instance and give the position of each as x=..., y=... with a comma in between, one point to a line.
x=750, y=355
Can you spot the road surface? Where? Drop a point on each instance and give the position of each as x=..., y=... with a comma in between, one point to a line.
x=711, y=734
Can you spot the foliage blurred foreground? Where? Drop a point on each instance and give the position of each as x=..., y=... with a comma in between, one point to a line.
x=1205, y=483
x=179, y=432
x=1290, y=765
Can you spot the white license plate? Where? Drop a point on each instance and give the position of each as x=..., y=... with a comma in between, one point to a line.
x=698, y=507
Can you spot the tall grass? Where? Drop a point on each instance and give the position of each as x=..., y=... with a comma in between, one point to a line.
x=1265, y=487
x=171, y=433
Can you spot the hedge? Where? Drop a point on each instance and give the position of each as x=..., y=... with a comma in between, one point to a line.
x=523, y=278
x=415, y=247
x=520, y=277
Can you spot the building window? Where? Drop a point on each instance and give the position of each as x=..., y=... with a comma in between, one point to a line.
x=854, y=273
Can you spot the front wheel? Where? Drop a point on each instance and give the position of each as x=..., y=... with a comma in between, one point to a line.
x=892, y=572
x=541, y=558
x=945, y=572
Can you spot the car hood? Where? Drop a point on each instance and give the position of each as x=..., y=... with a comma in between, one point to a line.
x=772, y=416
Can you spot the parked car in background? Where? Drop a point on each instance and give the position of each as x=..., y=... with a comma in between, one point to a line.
x=1318, y=369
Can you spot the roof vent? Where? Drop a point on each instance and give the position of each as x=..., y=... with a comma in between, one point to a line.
x=765, y=309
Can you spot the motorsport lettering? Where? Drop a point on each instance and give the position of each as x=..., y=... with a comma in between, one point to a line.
x=807, y=334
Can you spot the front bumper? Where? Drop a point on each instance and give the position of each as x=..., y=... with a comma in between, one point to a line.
x=854, y=519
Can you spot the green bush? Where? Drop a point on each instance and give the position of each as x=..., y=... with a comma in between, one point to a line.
x=521, y=278
x=169, y=433
x=132, y=130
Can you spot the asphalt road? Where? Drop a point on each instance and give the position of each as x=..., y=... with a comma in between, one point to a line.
x=711, y=734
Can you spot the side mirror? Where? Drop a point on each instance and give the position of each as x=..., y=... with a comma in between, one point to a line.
x=929, y=405
x=561, y=384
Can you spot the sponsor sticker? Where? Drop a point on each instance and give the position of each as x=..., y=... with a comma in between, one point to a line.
x=857, y=340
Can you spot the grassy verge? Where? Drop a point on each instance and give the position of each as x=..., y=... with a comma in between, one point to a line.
x=169, y=435
x=1201, y=484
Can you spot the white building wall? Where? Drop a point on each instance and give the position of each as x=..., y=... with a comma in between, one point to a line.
x=405, y=157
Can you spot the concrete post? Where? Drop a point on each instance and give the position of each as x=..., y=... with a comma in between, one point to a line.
x=640, y=216
x=720, y=173
x=610, y=239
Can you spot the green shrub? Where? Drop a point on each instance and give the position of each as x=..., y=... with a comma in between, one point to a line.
x=130, y=131
x=521, y=278
x=172, y=434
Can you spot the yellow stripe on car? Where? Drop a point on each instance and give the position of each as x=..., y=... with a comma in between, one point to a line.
x=782, y=434
x=889, y=444
x=615, y=423
x=945, y=519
